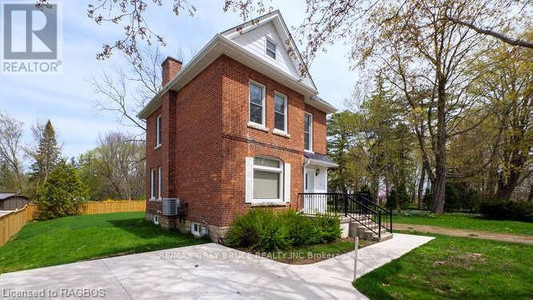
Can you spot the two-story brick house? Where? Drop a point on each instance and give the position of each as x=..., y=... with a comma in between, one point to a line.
x=238, y=127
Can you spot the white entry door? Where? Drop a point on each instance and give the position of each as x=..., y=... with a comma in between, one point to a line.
x=309, y=181
x=313, y=203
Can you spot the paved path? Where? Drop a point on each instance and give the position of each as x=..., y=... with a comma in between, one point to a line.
x=478, y=234
x=210, y=271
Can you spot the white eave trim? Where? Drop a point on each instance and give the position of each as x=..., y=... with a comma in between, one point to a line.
x=321, y=163
x=223, y=45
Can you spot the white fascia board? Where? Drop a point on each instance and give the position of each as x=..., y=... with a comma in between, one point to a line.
x=320, y=163
x=219, y=45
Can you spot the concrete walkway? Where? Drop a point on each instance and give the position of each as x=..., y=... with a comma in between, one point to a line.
x=208, y=271
x=478, y=234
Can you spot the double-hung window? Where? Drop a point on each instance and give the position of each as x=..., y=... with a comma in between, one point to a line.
x=268, y=179
x=308, y=132
x=159, y=181
x=270, y=49
x=152, y=184
x=280, y=112
x=257, y=103
x=158, y=131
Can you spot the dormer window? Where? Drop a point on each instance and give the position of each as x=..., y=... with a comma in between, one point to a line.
x=271, y=49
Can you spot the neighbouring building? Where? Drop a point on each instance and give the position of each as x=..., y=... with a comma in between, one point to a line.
x=238, y=127
x=11, y=201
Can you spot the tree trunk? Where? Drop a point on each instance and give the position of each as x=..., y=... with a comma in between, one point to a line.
x=506, y=186
x=437, y=206
x=421, y=188
x=530, y=198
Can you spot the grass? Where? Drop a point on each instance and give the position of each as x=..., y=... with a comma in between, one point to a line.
x=313, y=253
x=72, y=239
x=454, y=268
x=463, y=221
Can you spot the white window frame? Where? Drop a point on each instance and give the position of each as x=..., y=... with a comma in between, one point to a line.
x=158, y=131
x=263, y=100
x=279, y=171
x=152, y=184
x=310, y=132
x=285, y=98
x=267, y=49
x=159, y=182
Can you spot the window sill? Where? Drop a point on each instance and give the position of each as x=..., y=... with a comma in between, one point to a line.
x=157, y=147
x=257, y=126
x=309, y=151
x=151, y=199
x=267, y=203
x=281, y=133
x=159, y=199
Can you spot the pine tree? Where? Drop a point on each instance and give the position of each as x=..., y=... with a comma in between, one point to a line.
x=47, y=156
x=63, y=193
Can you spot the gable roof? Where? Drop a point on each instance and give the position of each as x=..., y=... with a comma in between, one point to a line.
x=4, y=196
x=233, y=44
x=273, y=27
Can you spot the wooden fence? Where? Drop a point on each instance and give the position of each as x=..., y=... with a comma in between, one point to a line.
x=11, y=223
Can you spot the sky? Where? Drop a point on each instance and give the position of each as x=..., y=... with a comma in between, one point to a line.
x=69, y=100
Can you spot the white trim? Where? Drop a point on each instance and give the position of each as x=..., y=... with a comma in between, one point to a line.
x=152, y=183
x=257, y=126
x=281, y=133
x=218, y=46
x=158, y=131
x=287, y=183
x=286, y=102
x=320, y=163
x=263, y=102
x=310, y=132
x=282, y=186
x=249, y=179
x=159, y=182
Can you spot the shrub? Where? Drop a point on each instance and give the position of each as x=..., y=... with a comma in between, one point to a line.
x=267, y=230
x=329, y=228
x=507, y=210
x=460, y=197
x=302, y=230
x=62, y=194
x=398, y=198
x=258, y=230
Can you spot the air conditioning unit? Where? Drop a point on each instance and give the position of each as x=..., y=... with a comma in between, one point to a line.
x=171, y=206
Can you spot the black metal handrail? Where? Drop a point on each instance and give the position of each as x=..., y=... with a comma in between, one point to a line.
x=355, y=206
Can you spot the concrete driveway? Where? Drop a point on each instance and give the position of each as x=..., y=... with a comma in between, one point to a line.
x=205, y=271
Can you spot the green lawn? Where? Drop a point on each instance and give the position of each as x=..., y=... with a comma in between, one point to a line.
x=72, y=239
x=455, y=268
x=466, y=222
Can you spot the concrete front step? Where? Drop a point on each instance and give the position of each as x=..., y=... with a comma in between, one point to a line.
x=366, y=234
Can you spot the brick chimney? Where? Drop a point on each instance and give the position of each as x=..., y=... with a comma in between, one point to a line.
x=170, y=68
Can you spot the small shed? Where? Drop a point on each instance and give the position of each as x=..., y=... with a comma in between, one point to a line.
x=11, y=201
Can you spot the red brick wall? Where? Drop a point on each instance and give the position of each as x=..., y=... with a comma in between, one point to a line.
x=241, y=141
x=207, y=124
x=154, y=158
x=319, y=129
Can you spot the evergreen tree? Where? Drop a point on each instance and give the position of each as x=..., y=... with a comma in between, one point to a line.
x=63, y=193
x=46, y=156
